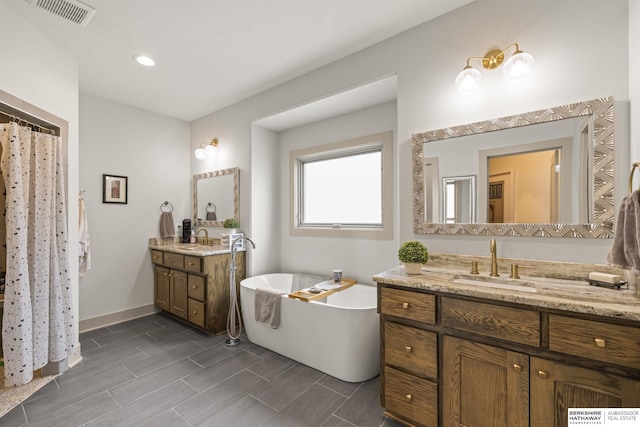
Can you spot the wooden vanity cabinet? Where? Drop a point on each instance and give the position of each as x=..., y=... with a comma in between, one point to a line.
x=556, y=387
x=484, y=385
x=409, y=356
x=195, y=288
x=471, y=362
x=161, y=288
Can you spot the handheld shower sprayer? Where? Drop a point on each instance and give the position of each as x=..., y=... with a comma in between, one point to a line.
x=234, y=330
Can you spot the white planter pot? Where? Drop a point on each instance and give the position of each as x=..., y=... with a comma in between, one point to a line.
x=412, y=267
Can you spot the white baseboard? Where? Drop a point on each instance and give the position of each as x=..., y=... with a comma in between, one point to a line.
x=113, y=318
x=76, y=357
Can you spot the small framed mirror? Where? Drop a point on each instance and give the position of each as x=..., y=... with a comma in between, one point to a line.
x=216, y=197
x=459, y=199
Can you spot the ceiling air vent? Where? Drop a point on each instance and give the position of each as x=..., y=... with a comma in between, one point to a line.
x=71, y=10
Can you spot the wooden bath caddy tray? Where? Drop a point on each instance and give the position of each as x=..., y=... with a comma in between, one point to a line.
x=306, y=296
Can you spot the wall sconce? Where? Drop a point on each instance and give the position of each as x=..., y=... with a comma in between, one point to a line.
x=206, y=151
x=516, y=66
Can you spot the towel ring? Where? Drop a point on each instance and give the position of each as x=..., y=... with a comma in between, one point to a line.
x=635, y=165
x=210, y=205
x=166, y=205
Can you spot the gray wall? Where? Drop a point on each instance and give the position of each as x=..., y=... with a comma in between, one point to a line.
x=153, y=152
x=426, y=60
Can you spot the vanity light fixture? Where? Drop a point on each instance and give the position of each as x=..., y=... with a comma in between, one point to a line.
x=516, y=66
x=207, y=150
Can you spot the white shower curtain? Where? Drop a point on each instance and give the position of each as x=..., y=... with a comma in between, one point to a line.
x=38, y=316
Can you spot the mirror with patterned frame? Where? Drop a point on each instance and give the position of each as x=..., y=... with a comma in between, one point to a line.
x=594, y=183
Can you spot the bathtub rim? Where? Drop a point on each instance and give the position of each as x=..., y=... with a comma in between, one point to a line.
x=322, y=302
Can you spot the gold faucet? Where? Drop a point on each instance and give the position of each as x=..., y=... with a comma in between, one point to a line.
x=206, y=235
x=494, y=259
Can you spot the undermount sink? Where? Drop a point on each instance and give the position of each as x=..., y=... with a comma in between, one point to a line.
x=495, y=282
x=195, y=247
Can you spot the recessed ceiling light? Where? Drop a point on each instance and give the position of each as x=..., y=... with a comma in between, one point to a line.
x=144, y=60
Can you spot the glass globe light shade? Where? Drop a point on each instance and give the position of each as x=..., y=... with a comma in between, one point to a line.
x=468, y=79
x=210, y=150
x=519, y=65
x=144, y=60
x=200, y=154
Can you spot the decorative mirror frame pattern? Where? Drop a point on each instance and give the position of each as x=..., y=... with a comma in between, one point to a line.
x=600, y=109
x=236, y=195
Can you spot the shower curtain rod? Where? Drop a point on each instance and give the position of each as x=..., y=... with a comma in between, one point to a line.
x=20, y=120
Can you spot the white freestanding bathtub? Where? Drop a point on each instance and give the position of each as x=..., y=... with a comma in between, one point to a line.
x=339, y=336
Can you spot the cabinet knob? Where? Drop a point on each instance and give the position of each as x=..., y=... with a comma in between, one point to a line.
x=601, y=342
x=517, y=367
x=405, y=305
x=408, y=348
x=193, y=287
x=191, y=263
x=409, y=397
x=542, y=374
x=194, y=312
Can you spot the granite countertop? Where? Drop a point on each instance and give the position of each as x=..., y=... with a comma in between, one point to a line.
x=194, y=249
x=576, y=296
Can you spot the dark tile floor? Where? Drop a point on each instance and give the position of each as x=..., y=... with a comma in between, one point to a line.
x=155, y=371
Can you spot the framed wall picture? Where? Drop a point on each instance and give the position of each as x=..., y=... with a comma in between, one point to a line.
x=114, y=189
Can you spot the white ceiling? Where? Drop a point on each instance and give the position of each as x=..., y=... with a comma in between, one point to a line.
x=213, y=53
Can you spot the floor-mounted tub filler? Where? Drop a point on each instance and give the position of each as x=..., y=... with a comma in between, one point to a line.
x=234, y=322
x=339, y=336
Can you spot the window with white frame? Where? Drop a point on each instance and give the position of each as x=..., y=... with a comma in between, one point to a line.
x=343, y=188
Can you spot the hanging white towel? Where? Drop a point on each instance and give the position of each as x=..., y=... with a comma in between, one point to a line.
x=84, y=250
x=625, y=250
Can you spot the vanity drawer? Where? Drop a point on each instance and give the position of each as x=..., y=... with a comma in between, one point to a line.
x=506, y=323
x=605, y=342
x=411, y=349
x=410, y=305
x=414, y=398
x=196, y=312
x=156, y=257
x=196, y=287
x=173, y=260
x=193, y=263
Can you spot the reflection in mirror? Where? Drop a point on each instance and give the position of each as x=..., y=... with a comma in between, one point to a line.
x=216, y=197
x=538, y=187
x=459, y=199
x=567, y=191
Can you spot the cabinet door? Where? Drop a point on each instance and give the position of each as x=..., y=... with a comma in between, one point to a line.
x=484, y=385
x=161, y=288
x=555, y=388
x=179, y=292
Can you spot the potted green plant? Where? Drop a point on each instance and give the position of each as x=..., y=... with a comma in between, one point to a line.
x=413, y=254
x=231, y=224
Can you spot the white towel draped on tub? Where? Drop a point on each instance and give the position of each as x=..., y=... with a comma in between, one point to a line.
x=625, y=250
x=267, y=307
x=84, y=252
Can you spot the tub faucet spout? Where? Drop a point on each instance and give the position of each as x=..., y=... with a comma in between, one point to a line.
x=234, y=249
x=494, y=259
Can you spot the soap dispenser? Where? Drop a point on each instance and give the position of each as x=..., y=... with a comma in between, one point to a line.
x=193, y=239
